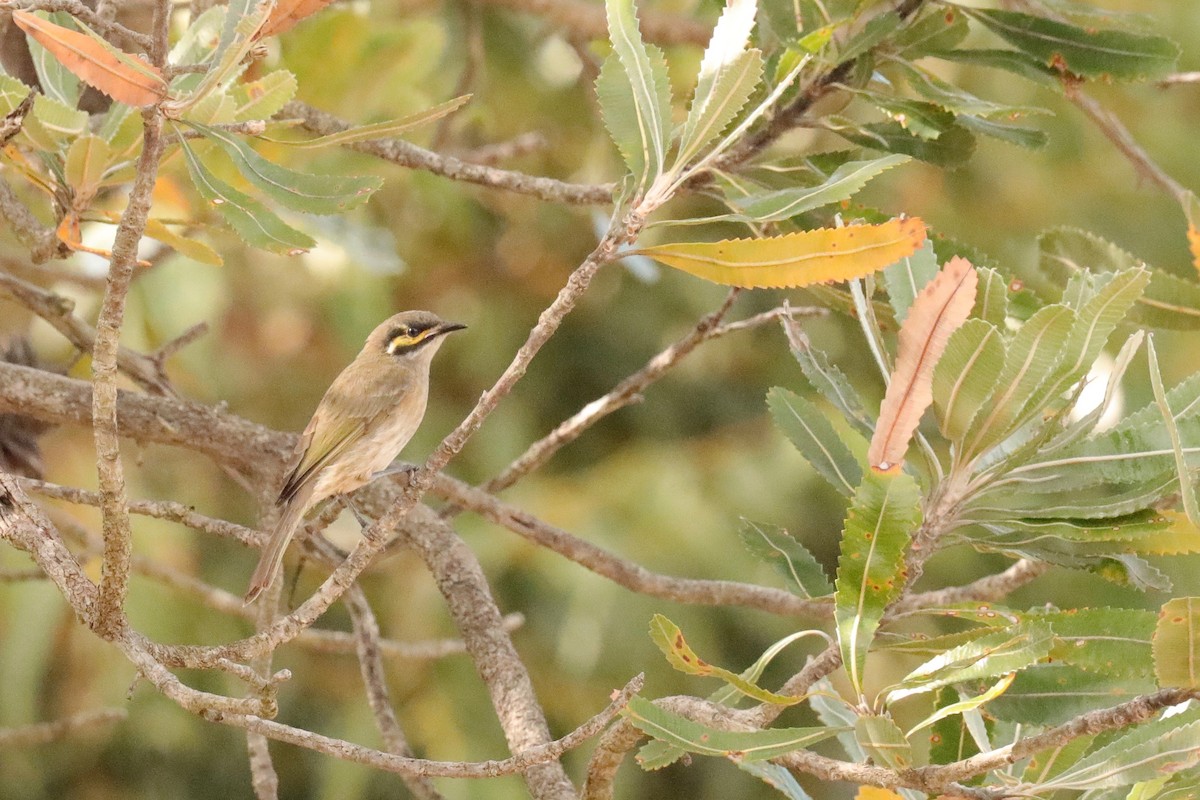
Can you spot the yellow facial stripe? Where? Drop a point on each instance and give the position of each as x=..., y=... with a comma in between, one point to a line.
x=403, y=340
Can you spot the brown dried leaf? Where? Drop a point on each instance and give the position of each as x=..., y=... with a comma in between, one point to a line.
x=938, y=310
x=125, y=78
x=287, y=13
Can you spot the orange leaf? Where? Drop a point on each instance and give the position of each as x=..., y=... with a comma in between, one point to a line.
x=938, y=310
x=795, y=259
x=875, y=793
x=95, y=63
x=287, y=13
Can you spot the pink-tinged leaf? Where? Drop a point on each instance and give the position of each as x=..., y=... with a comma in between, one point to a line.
x=124, y=77
x=796, y=259
x=939, y=309
x=287, y=13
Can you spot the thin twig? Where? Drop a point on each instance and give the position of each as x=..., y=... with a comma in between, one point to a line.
x=41, y=240
x=114, y=579
x=989, y=588
x=367, y=640
x=407, y=154
x=400, y=765
x=46, y=732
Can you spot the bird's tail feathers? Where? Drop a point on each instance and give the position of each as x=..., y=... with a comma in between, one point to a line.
x=290, y=517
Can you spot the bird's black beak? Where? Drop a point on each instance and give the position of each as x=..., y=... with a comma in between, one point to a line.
x=449, y=327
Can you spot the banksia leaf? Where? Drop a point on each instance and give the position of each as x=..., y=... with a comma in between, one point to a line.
x=1177, y=643
x=939, y=309
x=123, y=77
x=796, y=259
x=287, y=13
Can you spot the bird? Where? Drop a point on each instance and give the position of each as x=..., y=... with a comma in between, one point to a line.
x=368, y=414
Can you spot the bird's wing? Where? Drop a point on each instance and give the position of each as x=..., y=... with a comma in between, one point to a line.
x=323, y=441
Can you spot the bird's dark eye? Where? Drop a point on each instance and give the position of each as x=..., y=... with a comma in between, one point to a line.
x=411, y=332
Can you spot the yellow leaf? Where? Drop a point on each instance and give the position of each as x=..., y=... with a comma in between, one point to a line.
x=938, y=310
x=123, y=77
x=795, y=259
x=875, y=793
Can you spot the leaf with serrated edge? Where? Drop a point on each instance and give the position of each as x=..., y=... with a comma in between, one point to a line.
x=1086, y=52
x=776, y=546
x=939, y=309
x=1177, y=643
x=757, y=745
x=1187, y=489
x=646, y=70
x=1149, y=750
x=966, y=375
x=871, y=574
x=1000, y=687
x=670, y=641
x=1032, y=355
x=846, y=181
x=826, y=378
x=299, y=191
x=813, y=435
x=998, y=653
x=97, y=64
x=777, y=777
x=254, y=221
x=1049, y=694
x=907, y=277
x=263, y=98
x=883, y=741
x=795, y=259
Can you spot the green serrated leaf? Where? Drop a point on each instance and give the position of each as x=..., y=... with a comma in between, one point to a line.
x=937, y=29
x=257, y=224
x=875, y=31
x=883, y=741
x=299, y=191
x=920, y=118
x=813, y=435
x=991, y=299
x=951, y=149
x=1148, y=751
x=670, y=641
x=777, y=547
x=987, y=656
x=1020, y=135
x=966, y=376
x=777, y=777
x=848, y=179
x=242, y=20
x=1177, y=643
x=693, y=737
x=1114, y=641
x=1012, y=61
x=949, y=739
x=1050, y=694
x=908, y=276
x=12, y=93
x=878, y=528
x=52, y=126
x=647, y=106
x=263, y=98
x=965, y=705
x=1090, y=53
x=828, y=379
x=87, y=159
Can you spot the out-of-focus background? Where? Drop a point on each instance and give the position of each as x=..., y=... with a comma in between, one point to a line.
x=665, y=482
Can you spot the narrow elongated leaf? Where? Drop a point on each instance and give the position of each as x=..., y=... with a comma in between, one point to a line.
x=772, y=544
x=670, y=641
x=758, y=745
x=1115, y=641
x=827, y=378
x=299, y=191
x=257, y=224
x=879, y=525
x=966, y=375
x=813, y=435
x=939, y=309
x=1177, y=643
x=777, y=777
x=1050, y=694
x=97, y=62
x=907, y=277
x=795, y=259
x=846, y=181
x=1021, y=135
x=991, y=301
x=1146, y=752
x=287, y=13
x=262, y=99
x=1032, y=356
x=951, y=149
x=992, y=654
x=645, y=73
x=883, y=741
x=950, y=740
x=192, y=248
x=1089, y=52
x=243, y=19
x=963, y=706
x=1187, y=489
x=728, y=76
x=382, y=130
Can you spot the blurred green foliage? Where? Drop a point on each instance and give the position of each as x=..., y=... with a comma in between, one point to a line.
x=663, y=483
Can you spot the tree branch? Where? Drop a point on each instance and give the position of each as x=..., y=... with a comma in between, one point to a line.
x=46, y=732
x=42, y=242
